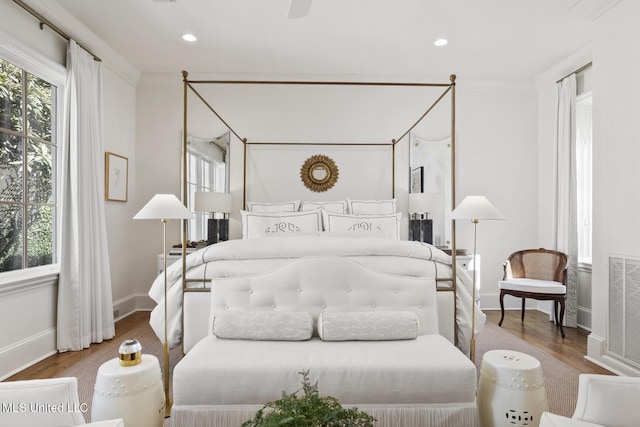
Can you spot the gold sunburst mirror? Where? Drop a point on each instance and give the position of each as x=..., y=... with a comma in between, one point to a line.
x=319, y=173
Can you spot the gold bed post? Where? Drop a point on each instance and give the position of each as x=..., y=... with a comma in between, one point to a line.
x=393, y=168
x=454, y=273
x=244, y=174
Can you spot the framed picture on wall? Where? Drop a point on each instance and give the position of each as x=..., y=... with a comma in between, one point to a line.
x=417, y=180
x=116, y=177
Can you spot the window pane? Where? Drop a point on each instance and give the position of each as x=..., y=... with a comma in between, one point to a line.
x=39, y=96
x=39, y=177
x=40, y=235
x=10, y=97
x=10, y=237
x=11, y=170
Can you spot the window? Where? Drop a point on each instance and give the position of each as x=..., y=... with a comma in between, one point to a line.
x=27, y=169
x=583, y=165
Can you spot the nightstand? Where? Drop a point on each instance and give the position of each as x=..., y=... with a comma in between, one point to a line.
x=170, y=260
x=466, y=262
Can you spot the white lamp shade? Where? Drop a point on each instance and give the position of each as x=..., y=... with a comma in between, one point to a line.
x=164, y=206
x=476, y=208
x=212, y=202
x=422, y=202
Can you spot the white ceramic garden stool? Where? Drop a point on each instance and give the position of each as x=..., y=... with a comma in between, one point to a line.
x=511, y=390
x=133, y=393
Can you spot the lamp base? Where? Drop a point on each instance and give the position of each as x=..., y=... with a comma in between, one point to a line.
x=421, y=230
x=217, y=230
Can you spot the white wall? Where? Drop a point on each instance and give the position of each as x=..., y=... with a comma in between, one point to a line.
x=497, y=157
x=616, y=152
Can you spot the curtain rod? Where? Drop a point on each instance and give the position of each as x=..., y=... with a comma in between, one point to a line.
x=44, y=21
x=576, y=71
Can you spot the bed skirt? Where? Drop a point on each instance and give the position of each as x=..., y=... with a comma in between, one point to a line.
x=452, y=415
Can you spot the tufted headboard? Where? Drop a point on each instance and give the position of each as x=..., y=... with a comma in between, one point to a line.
x=328, y=284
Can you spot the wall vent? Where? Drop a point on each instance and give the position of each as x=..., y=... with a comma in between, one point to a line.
x=624, y=308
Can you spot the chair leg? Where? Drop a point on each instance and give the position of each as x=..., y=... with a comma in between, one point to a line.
x=555, y=312
x=501, y=308
x=523, y=303
x=561, y=318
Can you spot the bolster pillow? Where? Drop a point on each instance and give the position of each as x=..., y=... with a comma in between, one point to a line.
x=263, y=325
x=368, y=326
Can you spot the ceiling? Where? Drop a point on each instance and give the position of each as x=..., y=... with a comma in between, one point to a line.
x=488, y=39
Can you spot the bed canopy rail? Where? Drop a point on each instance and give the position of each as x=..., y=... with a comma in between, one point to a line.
x=449, y=89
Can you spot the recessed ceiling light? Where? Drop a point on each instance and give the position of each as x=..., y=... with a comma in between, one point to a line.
x=441, y=42
x=188, y=37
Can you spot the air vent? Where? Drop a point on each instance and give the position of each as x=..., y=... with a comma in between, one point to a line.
x=624, y=317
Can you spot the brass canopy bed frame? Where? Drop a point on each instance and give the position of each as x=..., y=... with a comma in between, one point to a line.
x=189, y=86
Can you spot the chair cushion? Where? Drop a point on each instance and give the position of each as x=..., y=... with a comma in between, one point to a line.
x=534, y=286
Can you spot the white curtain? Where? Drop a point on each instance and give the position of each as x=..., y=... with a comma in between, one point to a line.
x=85, y=305
x=566, y=224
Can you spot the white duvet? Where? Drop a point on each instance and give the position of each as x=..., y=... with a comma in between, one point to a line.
x=235, y=258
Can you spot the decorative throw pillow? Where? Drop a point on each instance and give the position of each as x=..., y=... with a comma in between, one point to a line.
x=263, y=325
x=368, y=326
x=280, y=223
x=387, y=226
x=370, y=207
x=338, y=206
x=292, y=206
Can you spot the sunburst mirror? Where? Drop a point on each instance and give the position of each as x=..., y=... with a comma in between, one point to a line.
x=319, y=173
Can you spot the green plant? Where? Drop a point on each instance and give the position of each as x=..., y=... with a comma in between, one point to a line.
x=309, y=410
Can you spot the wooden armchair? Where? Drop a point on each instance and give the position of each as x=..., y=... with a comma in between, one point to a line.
x=538, y=274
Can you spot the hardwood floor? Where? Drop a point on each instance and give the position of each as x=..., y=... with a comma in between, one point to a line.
x=536, y=329
x=54, y=365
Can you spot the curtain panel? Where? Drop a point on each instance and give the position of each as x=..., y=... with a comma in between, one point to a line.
x=566, y=221
x=85, y=303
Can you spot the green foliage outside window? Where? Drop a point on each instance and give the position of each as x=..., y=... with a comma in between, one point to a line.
x=27, y=153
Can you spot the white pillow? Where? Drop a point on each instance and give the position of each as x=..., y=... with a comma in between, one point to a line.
x=339, y=206
x=370, y=207
x=387, y=226
x=368, y=326
x=280, y=223
x=263, y=325
x=291, y=206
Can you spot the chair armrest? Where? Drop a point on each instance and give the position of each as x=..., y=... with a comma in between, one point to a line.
x=36, y=402
x=506, y=268
x=107, y=423
x=608, y=400
x=552, y=420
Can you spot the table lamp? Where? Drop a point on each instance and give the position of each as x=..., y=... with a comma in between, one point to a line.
x=420, y=226
x=214, y=203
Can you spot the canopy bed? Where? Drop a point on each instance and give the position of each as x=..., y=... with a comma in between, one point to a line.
x=331, y=263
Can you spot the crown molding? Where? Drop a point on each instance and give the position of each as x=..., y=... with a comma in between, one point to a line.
x=76, y=29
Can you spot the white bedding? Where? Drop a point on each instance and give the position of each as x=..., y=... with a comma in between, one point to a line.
x=235, y=258
x=227, y=372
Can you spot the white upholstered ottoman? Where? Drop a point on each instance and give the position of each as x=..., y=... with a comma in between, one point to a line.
x=511, y=390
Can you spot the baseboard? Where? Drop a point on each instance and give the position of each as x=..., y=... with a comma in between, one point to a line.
x=597, y=353
x=27, y=352
x=492, y=302
x=135, y=302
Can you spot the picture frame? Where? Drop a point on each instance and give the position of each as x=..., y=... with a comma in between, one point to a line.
x=417, y=180
x=116, y=177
